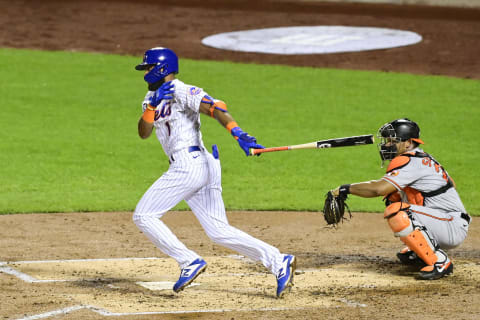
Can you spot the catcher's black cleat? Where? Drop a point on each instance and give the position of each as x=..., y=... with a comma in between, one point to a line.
x=410, y=258
x=437, y=271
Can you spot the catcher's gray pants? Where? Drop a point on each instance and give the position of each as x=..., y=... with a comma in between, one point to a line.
x=448, y=229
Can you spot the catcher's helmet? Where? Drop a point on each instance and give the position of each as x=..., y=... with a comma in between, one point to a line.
x=164, y=60
x=396, y=131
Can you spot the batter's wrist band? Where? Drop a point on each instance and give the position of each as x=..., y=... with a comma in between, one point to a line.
x=231, y=125
x=149, y=107
x=148, y=115
x=344, y=189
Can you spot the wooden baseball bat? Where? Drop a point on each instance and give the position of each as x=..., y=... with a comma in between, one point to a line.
x=322, y=144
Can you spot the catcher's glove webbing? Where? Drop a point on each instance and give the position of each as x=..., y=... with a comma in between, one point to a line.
x=334, y=208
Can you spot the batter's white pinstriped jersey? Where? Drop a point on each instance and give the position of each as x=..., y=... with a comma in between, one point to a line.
x=440, y=214
x=194, y=175
x=177, y=121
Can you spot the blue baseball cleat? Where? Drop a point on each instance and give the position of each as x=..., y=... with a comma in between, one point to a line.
x=190, y=273
x=285, y=275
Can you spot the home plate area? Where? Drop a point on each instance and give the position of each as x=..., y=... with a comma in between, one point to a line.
x=231, y=283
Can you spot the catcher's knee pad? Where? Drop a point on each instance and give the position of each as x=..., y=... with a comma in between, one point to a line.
x=398, y=219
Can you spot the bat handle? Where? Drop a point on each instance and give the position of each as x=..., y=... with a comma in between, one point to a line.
x=253, y=151
x=272, y=149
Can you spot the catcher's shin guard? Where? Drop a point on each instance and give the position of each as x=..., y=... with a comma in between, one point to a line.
x=420, y=243
x=416, y=238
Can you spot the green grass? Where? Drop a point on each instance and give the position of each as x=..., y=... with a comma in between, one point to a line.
x=69, y=141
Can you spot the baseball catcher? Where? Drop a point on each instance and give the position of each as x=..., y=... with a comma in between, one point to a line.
x=423, y=208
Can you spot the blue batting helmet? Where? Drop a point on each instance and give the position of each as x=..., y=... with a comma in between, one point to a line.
x=164, y=60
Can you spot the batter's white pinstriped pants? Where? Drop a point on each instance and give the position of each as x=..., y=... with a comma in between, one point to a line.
x=196, y=178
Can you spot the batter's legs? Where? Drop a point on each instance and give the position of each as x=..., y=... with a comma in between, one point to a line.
x=208, y=207
x=172, y=187
x=161, y=236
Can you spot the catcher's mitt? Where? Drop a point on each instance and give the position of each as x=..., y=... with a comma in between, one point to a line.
x=334, y=208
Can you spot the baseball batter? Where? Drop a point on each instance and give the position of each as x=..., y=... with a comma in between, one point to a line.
x=423, y=207
x=173, y=108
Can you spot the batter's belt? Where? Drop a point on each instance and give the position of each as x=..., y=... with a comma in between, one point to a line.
x=189, y=149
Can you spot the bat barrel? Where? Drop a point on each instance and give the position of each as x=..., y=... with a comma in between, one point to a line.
x=330, y=143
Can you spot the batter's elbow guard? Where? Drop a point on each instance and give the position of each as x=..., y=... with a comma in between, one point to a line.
x=218, y=105
x=215, y=104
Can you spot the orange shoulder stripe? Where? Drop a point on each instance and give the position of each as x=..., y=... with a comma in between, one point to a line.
x=398, y=162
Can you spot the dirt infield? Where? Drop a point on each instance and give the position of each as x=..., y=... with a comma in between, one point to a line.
x=354, y=276
x=74, y=266
x=450, y=45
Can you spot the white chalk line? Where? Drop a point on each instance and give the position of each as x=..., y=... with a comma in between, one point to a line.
x=77, y=260
x=107, y=313
x=27, y=278
x=232, y=256
x=352, y=303
x=53, y=313
x=104, y=312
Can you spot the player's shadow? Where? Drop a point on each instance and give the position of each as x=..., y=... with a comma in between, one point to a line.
x=120, y=285
x=358, y=262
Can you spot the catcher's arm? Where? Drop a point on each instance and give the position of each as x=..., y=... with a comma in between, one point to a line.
x=369, y=189
x=334, y=207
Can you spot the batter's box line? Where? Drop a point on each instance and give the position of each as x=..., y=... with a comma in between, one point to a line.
x=5, y=268
x=29, y=279
x=4, y=263
x=25, y=277
x=78, y=260
x=107, y=313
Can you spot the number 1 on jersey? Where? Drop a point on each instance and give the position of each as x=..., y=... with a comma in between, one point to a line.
x=168, y=127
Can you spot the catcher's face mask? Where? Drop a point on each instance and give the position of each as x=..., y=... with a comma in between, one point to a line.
x=388, y=142
x=395, y=132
